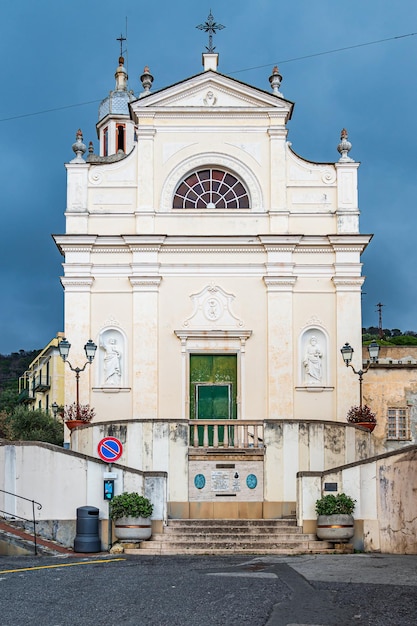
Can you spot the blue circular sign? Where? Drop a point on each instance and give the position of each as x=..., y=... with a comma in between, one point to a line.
x=110, y=449
x=251, y=481
x=199, y=481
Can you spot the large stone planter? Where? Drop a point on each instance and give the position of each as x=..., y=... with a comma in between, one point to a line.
x=336, y=528
x=133, y=528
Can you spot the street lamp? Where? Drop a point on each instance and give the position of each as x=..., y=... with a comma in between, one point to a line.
x=54, y=407
x=347, y=352
x=90, y=351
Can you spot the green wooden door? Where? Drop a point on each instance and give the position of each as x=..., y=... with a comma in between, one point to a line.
x=213, y=382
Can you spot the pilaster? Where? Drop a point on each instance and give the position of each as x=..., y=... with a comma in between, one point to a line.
x=347, y=197
x=145, y=345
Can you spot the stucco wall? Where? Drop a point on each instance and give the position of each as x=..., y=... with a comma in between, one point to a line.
x=392, y=383
x=386, y=507
x=290, y=446
x=63, y=480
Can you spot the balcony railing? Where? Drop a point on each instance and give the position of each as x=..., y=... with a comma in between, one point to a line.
x=226, y=434
x=41, y=383
x=26, y=395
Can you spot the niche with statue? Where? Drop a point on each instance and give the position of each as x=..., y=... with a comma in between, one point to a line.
x=313, y=366
x=112, y=358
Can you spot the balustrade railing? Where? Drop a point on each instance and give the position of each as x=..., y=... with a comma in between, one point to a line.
x=229, y=434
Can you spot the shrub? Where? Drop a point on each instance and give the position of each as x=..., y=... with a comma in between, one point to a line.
x=27, y=425
x=130, y=505
x=339, y=504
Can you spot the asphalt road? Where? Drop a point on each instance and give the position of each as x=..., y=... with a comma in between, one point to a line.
x=327, y=590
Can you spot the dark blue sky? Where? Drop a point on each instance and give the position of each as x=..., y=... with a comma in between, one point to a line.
x=57, y=56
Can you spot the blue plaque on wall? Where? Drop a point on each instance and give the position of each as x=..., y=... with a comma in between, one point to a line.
x=251, y=481
x=199, y=481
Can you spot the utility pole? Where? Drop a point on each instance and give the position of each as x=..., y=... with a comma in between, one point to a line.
x=379, y=309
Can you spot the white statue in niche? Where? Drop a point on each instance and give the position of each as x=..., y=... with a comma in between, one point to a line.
x=313, y=362
x=112, y=361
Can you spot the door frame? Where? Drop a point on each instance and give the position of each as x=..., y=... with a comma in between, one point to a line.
x=213, y=342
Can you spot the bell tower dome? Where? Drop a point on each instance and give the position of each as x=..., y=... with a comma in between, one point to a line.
x=115, y=129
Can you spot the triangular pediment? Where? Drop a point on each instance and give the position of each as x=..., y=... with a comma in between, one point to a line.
x=212, y=90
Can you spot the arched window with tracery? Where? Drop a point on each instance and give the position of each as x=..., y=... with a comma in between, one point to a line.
x=211, y=188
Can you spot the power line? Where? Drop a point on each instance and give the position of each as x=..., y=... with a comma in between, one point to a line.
x=248, y=69
x=67, y=106
x=319, y=54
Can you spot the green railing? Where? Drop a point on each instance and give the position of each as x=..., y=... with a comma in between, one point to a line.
x=229, y=434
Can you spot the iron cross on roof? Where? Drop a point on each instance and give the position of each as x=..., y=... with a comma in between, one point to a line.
x=121, y=39
x=210, y=27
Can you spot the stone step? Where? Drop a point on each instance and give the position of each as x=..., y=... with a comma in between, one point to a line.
x=221, y=537
x=234, y=523
x=230, y=544
x=202, y=535
x=313, y=548
x=244, y=532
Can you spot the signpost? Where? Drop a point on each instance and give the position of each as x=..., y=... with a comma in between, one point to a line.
x=110, y=449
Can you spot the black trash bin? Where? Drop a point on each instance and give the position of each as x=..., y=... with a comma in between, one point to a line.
x=87, y=538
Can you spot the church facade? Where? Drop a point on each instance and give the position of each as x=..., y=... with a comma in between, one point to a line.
x=219, y=274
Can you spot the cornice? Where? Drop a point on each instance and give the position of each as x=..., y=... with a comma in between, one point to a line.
x=149, y=248
x=192, y=249
x=77, y=284
x=185, y=334
x=300, y=250
x=348, y=284
x=73, y=248
x=206, y=114
x=145, y=283
x=279, y=283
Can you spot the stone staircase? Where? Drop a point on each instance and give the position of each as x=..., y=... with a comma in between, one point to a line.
x=226, y=537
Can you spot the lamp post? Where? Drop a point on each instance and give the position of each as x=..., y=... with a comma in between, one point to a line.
x=54, y=408
x=347, y=352
x=90, y=351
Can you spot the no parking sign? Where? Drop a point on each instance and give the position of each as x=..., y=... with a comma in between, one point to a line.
x=110, y=449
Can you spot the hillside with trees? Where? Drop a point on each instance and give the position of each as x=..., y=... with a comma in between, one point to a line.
x=389, y=337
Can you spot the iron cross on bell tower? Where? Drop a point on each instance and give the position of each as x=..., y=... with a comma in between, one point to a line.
x=210, y=27
x=121, y=39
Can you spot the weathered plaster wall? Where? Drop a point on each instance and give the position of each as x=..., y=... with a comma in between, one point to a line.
x=290, y=446
x=294, y=446
x=64, y=480
x=386, y=506
x=392, y=383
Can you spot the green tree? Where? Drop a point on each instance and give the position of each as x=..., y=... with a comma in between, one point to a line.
x=8, y=398
x=404, y=340
x=4, y=426
x=27, y=425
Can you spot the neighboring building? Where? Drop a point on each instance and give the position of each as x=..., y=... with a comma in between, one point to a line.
x=390, y=389
x=42, y=385
x=219, y=274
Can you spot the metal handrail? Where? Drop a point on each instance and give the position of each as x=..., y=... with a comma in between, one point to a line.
x=39, y=505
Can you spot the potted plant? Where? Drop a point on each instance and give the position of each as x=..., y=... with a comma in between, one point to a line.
x=131, y=514
x=334, y=517
x=77, y=415
x=362, y=416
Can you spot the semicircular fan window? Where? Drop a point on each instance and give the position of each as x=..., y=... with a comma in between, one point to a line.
x=211, y=188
